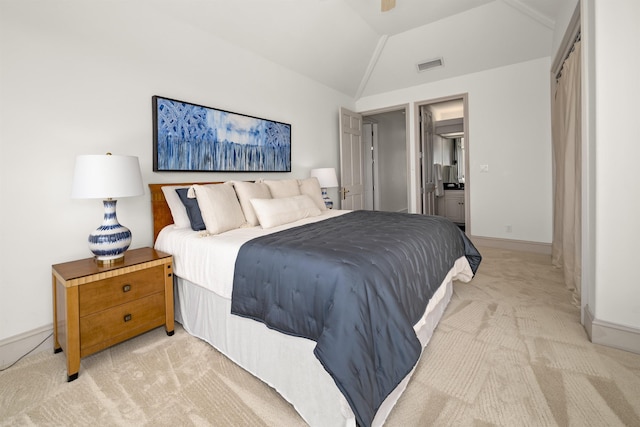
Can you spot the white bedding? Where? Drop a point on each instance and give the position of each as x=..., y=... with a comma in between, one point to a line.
x=204, y=278
x=209, y=260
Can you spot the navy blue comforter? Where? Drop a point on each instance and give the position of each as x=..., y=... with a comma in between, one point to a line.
x=356, y=284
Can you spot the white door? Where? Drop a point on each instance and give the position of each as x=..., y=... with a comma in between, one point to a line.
x=428, y=185
x=351, y=160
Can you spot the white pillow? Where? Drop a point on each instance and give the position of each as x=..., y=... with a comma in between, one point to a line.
x=219, y=206
x=247, y=191
x=274, y=212
x=283, y=188
x=311, y=187
x=178, y=211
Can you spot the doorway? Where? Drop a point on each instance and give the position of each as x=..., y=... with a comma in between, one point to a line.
x=443, y=158
x=386, y=176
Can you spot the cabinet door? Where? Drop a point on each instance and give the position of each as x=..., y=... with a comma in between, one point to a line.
x=441, y=209
x=454, y=207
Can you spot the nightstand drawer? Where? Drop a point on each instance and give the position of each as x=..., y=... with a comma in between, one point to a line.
x=106, y=293
x=102, y=329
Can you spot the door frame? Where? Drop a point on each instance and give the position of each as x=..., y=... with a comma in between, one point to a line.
x=370, y=169
x=407, y=116
x=417, y=165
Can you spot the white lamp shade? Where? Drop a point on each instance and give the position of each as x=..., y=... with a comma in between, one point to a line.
x=326, y=177
x=106, y=176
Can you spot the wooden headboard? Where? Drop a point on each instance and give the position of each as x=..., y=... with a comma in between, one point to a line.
x=159, y=207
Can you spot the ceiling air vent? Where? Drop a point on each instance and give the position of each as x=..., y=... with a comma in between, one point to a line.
x=427, y=65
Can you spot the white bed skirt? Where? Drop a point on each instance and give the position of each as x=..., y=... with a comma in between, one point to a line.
x=285, y=362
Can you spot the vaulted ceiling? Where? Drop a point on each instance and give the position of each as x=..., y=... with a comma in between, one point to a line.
x=353, y=47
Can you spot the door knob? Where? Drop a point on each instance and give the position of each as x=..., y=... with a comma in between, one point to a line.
x=344, y=192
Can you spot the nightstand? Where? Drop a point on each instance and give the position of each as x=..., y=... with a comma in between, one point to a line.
x=95, y=307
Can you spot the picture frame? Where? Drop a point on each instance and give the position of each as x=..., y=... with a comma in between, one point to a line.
x=189, y=137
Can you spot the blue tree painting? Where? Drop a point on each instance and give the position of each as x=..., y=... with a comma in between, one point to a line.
x=189, y=137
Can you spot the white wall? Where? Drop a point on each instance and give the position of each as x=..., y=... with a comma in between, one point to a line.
x=617, y=150
x=509, y=130
x=563, y=20
x=73, y=82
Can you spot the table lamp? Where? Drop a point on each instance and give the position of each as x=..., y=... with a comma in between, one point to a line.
x=108, y=177
x=327, y=179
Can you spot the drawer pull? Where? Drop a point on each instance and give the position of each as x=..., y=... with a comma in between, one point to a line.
x=126, y=288
x=127, y=317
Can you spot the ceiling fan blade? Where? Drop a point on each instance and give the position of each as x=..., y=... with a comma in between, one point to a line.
x=388, y=5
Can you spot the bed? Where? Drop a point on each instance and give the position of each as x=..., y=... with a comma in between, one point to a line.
x=295, y=358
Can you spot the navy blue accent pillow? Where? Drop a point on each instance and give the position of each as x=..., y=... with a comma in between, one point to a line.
x=193, y=210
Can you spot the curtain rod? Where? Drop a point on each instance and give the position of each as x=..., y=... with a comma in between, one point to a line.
x=571, y=49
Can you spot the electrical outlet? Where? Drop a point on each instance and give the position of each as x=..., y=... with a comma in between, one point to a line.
x=509, y=229
x=484, y=168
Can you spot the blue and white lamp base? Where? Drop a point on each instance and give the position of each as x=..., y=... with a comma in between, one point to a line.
x=110, y=241
x=327, y=201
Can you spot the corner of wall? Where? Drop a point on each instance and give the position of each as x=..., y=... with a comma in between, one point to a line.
x=31, y=342
x=611, y=334
x=513, y=245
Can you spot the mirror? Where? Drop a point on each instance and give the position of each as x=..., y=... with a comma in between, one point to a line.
x=448, y=151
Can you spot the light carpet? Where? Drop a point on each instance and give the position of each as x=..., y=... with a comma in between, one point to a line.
x=510, y=351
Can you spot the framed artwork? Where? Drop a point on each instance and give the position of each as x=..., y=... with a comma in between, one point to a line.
x=195, y=138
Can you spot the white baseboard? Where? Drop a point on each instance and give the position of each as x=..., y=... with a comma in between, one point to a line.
x=12, y=348
x=514, y=245
x=611, y=334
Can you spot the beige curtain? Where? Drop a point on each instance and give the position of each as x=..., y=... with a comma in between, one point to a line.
x=566, y=135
